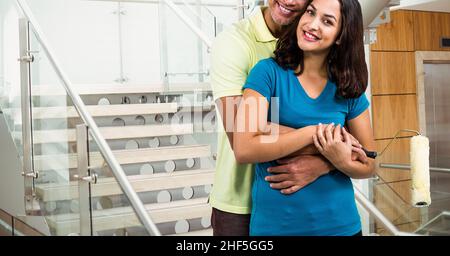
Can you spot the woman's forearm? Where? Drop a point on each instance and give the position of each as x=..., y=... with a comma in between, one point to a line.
x=259, y=148
x=308, y=150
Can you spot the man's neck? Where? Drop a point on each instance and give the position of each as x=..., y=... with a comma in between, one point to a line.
x=274, y=28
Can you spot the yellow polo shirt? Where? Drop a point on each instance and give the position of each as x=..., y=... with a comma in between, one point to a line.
x=234, y=53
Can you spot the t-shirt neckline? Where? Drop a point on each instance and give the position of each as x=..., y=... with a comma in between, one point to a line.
x=305, y=94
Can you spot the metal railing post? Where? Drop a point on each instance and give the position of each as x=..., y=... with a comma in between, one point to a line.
x=83, y=184
x=240, y=7
x=408, y=167
x=163, y=49
x=122, y=79
x=31, y=206
x=200, y=43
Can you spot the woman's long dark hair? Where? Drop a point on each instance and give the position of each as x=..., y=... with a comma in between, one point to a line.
x=347, y=64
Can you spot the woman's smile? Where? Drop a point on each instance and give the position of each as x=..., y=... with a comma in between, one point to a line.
x=310, y=37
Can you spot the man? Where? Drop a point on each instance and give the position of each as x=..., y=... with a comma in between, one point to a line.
x=233, y=55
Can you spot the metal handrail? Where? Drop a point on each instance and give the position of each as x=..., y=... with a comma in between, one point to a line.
x=105, y=150
x=408, y=167
x=186, y=4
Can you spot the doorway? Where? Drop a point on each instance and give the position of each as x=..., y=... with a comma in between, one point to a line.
x=437, y=117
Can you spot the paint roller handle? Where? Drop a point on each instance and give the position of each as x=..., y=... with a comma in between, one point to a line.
x=370, y=154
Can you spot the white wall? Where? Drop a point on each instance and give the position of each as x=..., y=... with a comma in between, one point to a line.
x=85, y=39
x=11, y=181
x=9, y=49
x=2, y=10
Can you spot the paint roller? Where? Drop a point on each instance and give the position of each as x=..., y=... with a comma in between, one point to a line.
x=420, y=167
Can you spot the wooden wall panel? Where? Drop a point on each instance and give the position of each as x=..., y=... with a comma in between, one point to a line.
x=429, y=27
x=398, y=35
x=424, y=33
x=392, y=113
x=392, y=72
x=396, y=153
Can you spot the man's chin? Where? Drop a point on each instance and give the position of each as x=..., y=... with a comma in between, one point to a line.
x=283, y=21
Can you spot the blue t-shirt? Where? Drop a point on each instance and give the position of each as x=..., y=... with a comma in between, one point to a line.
x=326, y=206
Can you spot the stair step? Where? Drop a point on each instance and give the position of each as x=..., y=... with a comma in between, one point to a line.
x=203, y=232
x=112, y=133
x=206, y=106
x=122, y=217
x=111, y=110
x=102, y=110
x=110, y=89
x=68, y=161
x=140, y=183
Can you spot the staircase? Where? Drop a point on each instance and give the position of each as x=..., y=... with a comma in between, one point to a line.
x=161, y=134
x=153, y=134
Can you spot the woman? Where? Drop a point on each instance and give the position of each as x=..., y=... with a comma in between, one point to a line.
x=318, y=75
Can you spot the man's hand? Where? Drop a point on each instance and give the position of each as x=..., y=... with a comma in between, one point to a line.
x=297, y=172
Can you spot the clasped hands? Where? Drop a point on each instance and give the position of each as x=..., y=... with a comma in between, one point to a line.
x=336, y=147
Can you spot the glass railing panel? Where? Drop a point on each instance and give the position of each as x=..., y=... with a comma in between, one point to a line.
x=394, y=200
x=112, y=212
x=169, y=165
x=140, y=48
x=391, y=192
x=184, y=55
x=187, y=63
x=231, y=11
x=436, y=217
x=54, y=150
x=438, y=226
x=10, y=94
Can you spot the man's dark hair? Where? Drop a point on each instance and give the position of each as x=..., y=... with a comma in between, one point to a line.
x=347, y=64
